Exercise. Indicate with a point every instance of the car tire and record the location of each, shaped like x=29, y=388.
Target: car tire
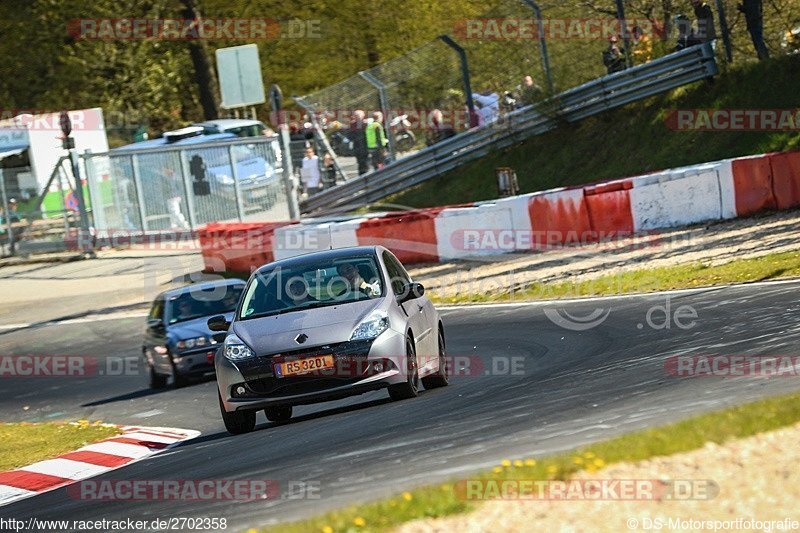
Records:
x=409, y=389
x=278, y=414
x=157, y=381
x=439, y=379
x=237, y=422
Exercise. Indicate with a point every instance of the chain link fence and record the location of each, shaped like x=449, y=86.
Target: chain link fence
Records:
x=559, y=45
x=161, y=189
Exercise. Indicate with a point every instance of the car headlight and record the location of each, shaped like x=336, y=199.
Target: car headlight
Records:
x=236, y=350
x=188, y=344
x=371, y=327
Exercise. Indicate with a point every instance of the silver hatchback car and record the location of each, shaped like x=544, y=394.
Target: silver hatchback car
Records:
x=324, y=326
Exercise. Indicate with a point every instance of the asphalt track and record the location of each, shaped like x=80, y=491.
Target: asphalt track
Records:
x=572, y=387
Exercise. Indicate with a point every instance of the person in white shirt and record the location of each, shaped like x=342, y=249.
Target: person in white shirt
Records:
x=309, y=173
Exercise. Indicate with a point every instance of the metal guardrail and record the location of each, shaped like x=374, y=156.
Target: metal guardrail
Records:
x=609, y=92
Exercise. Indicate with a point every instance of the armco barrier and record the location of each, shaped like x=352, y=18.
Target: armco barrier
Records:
x=786, y=179
x=678, y=197
x=752, y=177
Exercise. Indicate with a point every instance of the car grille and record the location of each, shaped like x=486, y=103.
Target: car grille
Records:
x=351, y=355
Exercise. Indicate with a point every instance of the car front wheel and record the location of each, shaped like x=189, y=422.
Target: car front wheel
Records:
x=439, y=379
x=409, y=389
x=237, y=422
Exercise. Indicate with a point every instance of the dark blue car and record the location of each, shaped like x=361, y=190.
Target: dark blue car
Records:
x=177, y=342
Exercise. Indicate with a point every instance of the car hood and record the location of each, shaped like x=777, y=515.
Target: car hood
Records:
x=197, y=327
x=325, y=325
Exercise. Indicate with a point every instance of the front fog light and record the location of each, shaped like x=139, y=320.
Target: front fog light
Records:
x=377, y=367
x=240, y=390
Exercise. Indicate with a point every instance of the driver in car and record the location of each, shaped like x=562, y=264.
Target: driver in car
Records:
x=297, y=291
x=355, y=282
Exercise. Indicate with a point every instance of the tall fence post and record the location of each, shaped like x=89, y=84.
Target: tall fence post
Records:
x=378, y=84
x=288, y=171
x=95, y=197
x=625, y=35
x=542, y=45
x=137, y=187
x=237, y=190
x=187, y=188
x=723, y=28
x=462, y=56
x=7, y=213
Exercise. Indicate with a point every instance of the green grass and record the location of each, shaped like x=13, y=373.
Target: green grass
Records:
x=686, y=276
x=629, y=141
x=24, y=443
x=441, y=500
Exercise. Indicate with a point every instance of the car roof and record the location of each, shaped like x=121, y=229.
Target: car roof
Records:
x=336, y=253
x=162, y=142
x=225, y=123
x=206, y=285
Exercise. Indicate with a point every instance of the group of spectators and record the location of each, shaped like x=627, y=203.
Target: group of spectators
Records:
x=690, y=33
x=369, y=140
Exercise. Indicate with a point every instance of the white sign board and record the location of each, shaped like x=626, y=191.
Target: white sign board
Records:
x=239, y=72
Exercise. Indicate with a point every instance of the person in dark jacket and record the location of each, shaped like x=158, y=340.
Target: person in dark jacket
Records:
x=754, y=17
x=359, y=138
x=614, y=56
x=705, y=21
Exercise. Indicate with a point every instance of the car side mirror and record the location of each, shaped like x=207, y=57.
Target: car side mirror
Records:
x=218, y=323
x=155, y=324
x=412, y=292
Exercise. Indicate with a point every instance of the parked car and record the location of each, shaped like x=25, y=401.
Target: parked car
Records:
x=324, y=326
x=177, y=342
x=237, y=126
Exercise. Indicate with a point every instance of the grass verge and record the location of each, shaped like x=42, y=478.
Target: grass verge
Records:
x=441, y=500
x=24, y=443
x=686, y=276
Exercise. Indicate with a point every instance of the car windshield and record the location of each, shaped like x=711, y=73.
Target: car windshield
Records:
x=310, y=285
x=199, y=303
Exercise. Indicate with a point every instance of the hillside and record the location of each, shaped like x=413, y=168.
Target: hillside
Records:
x=631, y=140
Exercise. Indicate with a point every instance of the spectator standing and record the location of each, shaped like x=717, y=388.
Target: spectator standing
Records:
x=376, y=140
x=642, y=45
x=310, y=174
x=488, y=104
x=329, y=171
x=704, y=21
x=614, y=56
x=358, y=136
x=439, y=130
x=754, y=17
x=529, y=92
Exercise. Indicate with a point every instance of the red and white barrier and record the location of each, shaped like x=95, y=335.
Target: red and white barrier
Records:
x=133, y=444
x=711, y=191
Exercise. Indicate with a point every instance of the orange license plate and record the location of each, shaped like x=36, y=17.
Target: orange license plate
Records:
x=304, y=366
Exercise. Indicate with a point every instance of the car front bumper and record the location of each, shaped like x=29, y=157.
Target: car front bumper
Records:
x=264, y=389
